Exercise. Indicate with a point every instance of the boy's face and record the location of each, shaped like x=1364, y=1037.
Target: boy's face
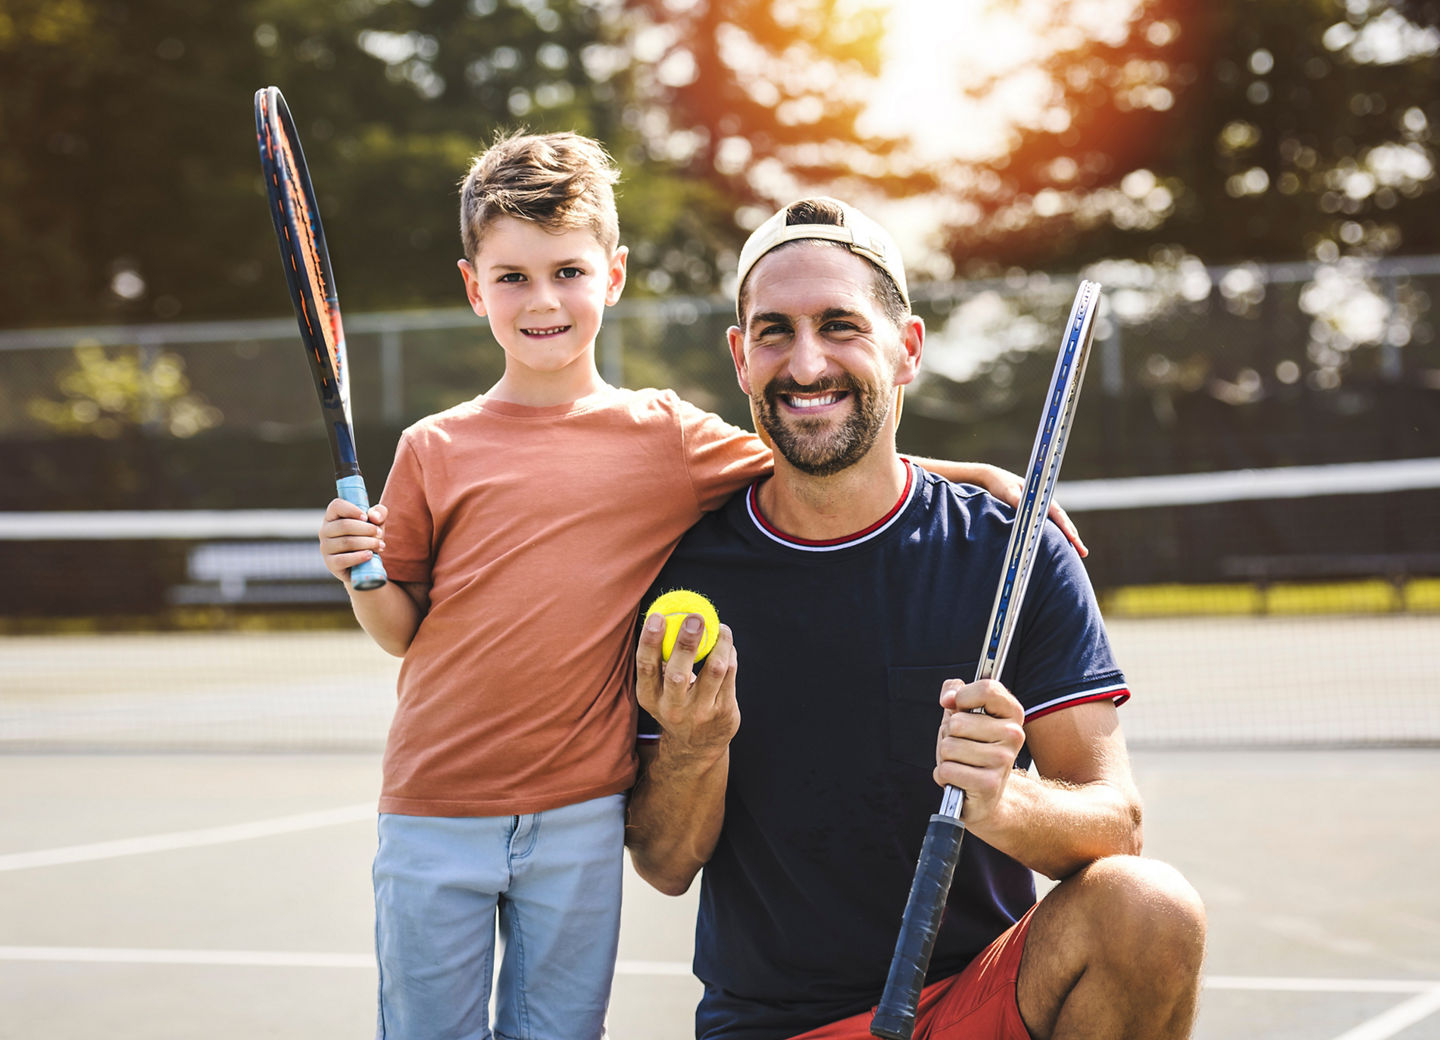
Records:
x=544, y=293
x=819, y=357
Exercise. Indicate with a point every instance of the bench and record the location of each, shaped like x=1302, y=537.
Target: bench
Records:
x=246, y=573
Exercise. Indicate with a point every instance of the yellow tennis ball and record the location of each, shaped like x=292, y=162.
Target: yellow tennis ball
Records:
x=679, y=604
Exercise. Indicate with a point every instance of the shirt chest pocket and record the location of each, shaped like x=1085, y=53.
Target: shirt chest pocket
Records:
x=913, y=710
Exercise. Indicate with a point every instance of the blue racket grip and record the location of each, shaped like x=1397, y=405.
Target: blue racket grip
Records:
x=895, y=1015
x=371, y=573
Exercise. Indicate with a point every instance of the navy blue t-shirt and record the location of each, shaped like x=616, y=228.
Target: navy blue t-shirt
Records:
x=842, y=650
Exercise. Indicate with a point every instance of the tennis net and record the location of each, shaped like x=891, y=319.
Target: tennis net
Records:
x=1277, y=607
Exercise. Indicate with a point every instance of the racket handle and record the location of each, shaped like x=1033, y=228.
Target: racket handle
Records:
x=895, y=1016
x=371, y=573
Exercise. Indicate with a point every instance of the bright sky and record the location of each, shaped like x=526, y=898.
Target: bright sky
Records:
x=933, y=49
x=937, y=48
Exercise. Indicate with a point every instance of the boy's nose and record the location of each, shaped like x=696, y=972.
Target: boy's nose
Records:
x=542, y=298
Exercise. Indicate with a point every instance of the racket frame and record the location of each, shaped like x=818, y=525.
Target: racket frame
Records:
x=305, y=258
x=895, y=1014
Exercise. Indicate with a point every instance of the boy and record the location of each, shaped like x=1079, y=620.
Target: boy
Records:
x=520, y=531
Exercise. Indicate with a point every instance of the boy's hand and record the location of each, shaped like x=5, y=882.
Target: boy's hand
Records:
x=349, y=535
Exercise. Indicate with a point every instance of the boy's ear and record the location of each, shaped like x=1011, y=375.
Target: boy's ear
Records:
x=615, y=275
x=472, y=287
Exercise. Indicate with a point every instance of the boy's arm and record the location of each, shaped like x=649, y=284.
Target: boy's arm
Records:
x=677, y=806
x=390, y=614
x=1004, y=485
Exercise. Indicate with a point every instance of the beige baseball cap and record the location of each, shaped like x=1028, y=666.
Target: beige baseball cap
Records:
x=859, y=233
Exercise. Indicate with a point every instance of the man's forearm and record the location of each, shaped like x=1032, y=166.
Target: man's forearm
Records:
x=673, y=821
x=1056, y=828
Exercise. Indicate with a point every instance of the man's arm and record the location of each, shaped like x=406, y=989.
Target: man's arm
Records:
x=1004, y=485
x=678, y=802
x=1082, y=805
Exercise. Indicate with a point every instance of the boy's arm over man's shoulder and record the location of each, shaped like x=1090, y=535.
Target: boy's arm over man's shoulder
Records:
x=721, y=458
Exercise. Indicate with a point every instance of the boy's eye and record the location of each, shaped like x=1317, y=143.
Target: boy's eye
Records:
x=511, y=276
x=569, y=272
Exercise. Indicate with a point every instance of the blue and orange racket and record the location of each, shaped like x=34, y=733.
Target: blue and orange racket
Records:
x=312, y=290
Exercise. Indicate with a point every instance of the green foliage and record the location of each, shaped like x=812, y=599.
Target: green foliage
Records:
x=125, y=130
x=106, y=395
x=1254, y=129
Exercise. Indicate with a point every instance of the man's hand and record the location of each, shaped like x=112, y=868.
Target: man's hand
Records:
x=698, y=715
x=976, y=749
x=678, y=803
x=349, y=536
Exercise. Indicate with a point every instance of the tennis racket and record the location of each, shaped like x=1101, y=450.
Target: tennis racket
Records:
x=312, y=290
x=895, y=1015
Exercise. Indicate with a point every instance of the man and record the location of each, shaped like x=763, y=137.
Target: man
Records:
x=859, y=589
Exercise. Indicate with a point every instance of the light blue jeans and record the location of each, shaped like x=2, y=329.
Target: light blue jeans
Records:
x=548, y=881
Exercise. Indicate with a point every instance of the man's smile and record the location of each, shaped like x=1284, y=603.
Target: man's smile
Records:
x=802, y=402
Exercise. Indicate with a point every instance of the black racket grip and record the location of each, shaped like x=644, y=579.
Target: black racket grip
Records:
x=895, y=1015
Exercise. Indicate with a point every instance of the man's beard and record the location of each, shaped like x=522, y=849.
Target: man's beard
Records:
x=801, y=441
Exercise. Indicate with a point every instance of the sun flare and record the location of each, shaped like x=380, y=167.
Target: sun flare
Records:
x=960, y=75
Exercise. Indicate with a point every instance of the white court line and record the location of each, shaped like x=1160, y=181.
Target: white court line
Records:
x=1382, y=1027
x=255, y=958
x=1398, y=1018
x=227, y=958
x=186, y=839
x=1427, y=989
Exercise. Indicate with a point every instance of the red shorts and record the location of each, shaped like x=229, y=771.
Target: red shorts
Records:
x=977, y=1004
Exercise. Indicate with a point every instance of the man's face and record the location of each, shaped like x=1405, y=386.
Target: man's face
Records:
x=819, y=358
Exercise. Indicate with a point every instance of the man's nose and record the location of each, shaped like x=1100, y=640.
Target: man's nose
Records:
x=808, y=359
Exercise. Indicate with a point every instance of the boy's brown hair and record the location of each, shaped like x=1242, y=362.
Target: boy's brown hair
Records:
x=560, y=181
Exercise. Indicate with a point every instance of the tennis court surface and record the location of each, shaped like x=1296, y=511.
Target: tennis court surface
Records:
x=190, y=825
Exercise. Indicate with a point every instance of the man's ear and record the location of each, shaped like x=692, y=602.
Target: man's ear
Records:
x=472, y=287
x=736, y=339
x=912, y=345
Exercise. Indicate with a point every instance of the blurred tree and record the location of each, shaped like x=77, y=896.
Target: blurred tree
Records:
x=107, y=395
x=1249, y=130
x=113, y=138
x=126, y=133
x=755, y=102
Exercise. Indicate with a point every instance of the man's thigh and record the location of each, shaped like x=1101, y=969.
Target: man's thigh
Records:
x=977, y=1004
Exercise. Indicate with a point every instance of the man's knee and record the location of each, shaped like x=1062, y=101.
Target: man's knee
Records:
x=1115, y=950
x=1142, y=909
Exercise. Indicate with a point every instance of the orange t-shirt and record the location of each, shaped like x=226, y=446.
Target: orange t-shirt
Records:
x=539, y=531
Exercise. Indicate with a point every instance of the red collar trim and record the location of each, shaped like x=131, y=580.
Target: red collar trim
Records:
x=753, y=505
